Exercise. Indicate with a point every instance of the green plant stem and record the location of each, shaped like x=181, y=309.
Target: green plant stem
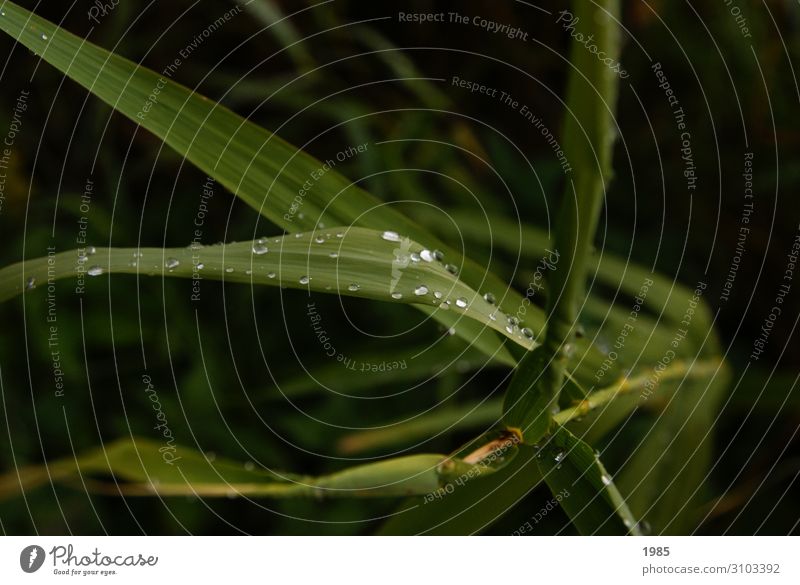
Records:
x=532, y=398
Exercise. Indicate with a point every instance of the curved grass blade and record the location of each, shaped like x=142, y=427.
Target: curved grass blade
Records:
x=288, y=186
x=141, y=469
x=594, y=416
x=349, y=261
x=571, y=468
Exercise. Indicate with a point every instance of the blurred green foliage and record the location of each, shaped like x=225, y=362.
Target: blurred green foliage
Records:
x=207, y=359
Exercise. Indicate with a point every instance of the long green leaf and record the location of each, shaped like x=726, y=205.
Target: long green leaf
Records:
x=348, y=261
x=291, y=188
x=143, y=467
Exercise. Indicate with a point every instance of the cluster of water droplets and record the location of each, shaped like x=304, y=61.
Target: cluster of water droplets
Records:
x=512, y=326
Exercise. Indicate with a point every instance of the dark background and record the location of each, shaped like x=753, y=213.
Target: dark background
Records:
x=733, y=90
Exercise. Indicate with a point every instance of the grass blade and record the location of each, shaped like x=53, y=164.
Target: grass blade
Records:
x=572, y=468
x=266, y=172
x=143, y=469
x=349, y=261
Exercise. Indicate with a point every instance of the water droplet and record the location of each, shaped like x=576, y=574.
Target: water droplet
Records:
x=560, y=456
x=513, y=321
x=298, y=235
x=509, y=329
x=172, y=263
x=461, y=302
x=354, y=287
x=339, y=234
x=248, y=272
x=438, y=294
x=304, y=280
x=229, y=269
x=334, y=254
x=426, y=255
x=90, y=250
x=527, y=332
x=319, y=240
x=397, y=295
x=493, y=316
x=390, y=236
x=451, y=268
x=30, y=283
x=94, y=271
x=260, y=248
x=451, y=331
x=414, y=257
x=421, y=290
x=44, y=37
x=200, y=266
x=270, y=275
x=438, y=255
x=605, y=479
x=489, y=298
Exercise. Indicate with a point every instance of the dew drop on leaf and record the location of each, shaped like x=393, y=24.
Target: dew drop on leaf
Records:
x=390, y=236
x=94, y=271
